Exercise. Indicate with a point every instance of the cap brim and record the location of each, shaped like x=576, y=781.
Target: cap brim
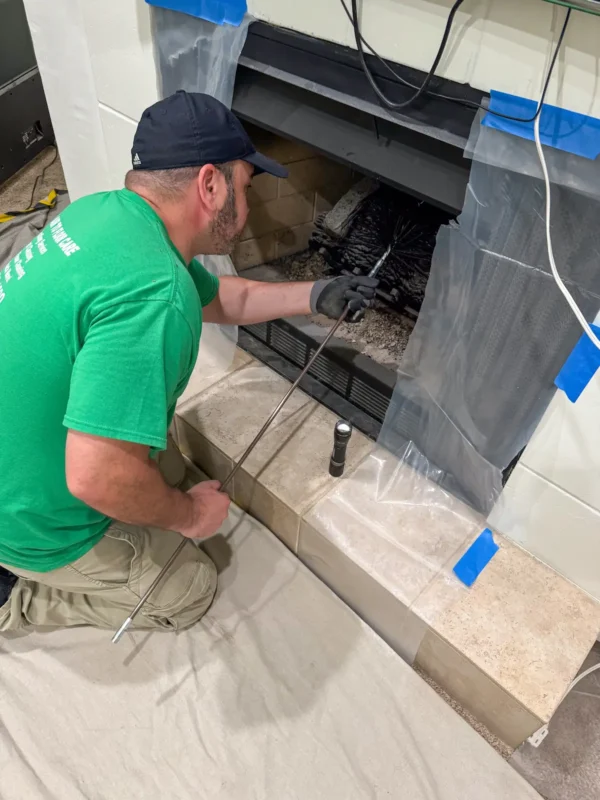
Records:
x=263, y=164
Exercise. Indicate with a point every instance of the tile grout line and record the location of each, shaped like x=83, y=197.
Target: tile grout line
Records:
x=560, y=489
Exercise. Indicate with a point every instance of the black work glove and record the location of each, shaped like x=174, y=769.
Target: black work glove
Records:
x=330, y=296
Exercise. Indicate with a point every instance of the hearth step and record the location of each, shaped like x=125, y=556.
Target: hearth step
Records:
x=385, y=539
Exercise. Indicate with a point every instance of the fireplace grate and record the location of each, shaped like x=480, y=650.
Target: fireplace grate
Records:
x=357, y=379
x=353, y=386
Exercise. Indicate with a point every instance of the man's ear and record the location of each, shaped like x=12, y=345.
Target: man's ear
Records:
x=208, y=186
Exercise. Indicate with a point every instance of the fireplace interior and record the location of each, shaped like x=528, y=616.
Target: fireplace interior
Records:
x=354, y=218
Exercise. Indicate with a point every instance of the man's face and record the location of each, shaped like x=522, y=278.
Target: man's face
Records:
x=230, y=219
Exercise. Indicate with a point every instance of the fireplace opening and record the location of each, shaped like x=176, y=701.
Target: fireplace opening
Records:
x=327, y=219
x=492, y=334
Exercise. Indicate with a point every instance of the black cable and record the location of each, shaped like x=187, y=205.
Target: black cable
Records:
x=428, y=78
x=384, y=63
x=546, y=82
x=424, y=88
x=40, y=177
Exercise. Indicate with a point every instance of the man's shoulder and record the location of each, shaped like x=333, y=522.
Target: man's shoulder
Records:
x=96, y=200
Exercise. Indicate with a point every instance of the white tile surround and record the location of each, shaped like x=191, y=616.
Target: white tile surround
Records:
x=551, y=504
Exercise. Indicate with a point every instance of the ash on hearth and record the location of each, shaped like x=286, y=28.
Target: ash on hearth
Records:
x=383, y=332
x=354, y=234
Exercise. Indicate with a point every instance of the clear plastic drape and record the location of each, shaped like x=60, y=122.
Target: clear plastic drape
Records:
x=494, y=330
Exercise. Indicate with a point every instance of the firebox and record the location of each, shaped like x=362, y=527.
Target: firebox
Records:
x=306, y=102
x=356, y=375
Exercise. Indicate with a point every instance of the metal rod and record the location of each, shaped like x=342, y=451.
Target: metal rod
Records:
x=358, y=315
x=256, y=440
x=379, y=264
x=237, y=466
x=284, y=400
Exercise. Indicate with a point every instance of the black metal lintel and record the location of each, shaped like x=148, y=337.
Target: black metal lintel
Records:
x=429, y=169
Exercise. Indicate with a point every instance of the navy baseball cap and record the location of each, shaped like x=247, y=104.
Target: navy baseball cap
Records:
x=189, y=129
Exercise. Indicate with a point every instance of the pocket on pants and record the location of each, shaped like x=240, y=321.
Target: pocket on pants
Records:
x=189, y=578
x=111, y=562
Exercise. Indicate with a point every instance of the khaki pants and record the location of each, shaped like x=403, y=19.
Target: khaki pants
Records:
x=104, y=585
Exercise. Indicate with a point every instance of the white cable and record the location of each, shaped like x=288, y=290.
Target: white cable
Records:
x=567, y=295
x=580, y=678
x=538, y=737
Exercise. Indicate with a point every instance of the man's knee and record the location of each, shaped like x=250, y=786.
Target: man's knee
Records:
x=187, y=592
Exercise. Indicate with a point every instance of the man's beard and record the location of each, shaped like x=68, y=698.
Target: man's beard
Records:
x=225, y=235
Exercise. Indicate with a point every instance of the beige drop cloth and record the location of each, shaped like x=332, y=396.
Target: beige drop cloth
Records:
x=281, y=693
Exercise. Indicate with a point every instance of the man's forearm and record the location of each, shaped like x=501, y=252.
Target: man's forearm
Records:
x=119, y=480
x=244, y=302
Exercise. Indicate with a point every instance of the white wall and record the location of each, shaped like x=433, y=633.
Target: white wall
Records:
x=63, y=57
x=97, y=65
x=551, y=504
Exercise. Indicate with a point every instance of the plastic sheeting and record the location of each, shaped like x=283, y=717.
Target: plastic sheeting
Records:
x=218, y=342
x=478, y=373
x=494, y=330
x=400, y=531
x=199, y=56
x=219, y=11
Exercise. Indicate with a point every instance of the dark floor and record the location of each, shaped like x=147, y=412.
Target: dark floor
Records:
x=566, y=766
x=15, y=193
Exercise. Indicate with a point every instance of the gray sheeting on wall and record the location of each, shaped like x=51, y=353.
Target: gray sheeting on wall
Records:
x=494, y=330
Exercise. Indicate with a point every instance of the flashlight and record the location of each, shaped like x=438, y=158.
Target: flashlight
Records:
x=341, y=436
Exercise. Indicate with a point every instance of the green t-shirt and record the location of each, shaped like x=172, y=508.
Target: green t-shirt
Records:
x=100, y=321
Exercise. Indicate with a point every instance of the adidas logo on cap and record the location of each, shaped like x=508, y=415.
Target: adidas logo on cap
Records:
x=136, y=161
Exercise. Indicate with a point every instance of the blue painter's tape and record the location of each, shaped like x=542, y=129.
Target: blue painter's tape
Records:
x=559, y=128
x=221, y=12
x=477, y=557
x=580, y=367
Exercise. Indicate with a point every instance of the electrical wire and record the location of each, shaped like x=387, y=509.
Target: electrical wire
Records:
x=536, y=116
x=384, y=63
x=538, y=737
x=421, y=90
x=583, y=675
x=567, y=295
x=424, y=88
x=40, y=177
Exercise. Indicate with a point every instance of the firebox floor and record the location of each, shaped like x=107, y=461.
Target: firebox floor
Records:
x=382, y=334
x=280, y=692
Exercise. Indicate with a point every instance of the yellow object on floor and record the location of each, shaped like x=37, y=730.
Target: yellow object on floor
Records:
x=47, y=202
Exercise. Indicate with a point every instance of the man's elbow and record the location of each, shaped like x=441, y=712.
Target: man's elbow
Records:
x=85, y=486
